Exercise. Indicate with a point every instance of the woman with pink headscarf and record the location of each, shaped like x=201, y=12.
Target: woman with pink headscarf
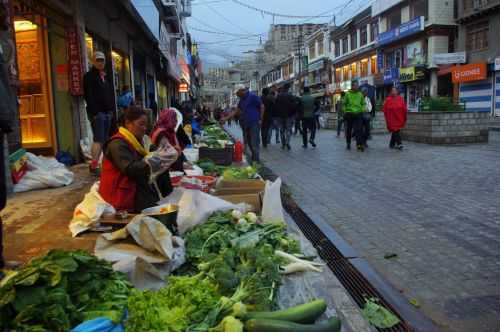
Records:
x=164, y=132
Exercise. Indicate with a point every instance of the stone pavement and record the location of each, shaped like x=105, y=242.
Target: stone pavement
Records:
x=436, y=207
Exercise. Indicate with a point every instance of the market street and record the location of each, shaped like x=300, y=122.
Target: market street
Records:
x=435, y=207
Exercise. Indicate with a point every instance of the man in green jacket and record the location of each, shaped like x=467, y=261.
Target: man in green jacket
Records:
x=308, y=106
x=353, y=106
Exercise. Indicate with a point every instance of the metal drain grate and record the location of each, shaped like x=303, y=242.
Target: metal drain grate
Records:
x=354, y=282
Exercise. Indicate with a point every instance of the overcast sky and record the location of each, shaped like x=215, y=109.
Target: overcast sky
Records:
x=229, y=16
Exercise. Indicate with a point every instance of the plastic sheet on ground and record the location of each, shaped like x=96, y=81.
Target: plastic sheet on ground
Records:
x=89, y=211
x=145, y=250
x=44, y=173
x=195, y=207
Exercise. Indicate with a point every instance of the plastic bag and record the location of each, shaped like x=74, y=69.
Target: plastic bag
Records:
x=192, y=155
x=195, y=207
x=89, y=211
x=44, y=173
x=322, y=122
x=99, y=325
x=272, y=208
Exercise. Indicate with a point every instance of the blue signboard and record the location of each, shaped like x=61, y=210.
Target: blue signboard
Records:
x=404, y=30
x=391, y=76
x=380, y=60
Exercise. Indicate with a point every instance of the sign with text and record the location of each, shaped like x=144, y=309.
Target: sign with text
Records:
x=404, y=30
x=415, y=54
x=391, y=75
x=410, y=74
x=75, y=63
x=468, y=73
x=449, y=58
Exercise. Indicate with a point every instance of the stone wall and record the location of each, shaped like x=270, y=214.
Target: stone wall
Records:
x=447, y=127
x=378, y=123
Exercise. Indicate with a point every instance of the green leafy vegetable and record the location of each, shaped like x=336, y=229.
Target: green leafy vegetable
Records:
x=58, y=291
x=377, y=315
x=241, y=173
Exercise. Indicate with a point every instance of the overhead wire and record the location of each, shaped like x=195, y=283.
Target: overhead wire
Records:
x=226, y=19
x=274, y=14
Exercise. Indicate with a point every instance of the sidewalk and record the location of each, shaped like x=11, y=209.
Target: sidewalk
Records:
x=434, y=207
x=37, y=221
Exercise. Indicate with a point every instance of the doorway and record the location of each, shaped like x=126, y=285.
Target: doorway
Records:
x=37, y=129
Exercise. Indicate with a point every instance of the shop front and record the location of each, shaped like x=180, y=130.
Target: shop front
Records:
x=475, y=86
x=50, y=73
x=121, y=70
x=414, y=86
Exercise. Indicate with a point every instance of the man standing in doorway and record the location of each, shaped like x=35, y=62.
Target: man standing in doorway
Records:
x=99, y=97
x=251, y=111
x=353, y=107
x=286, y=111
x=308, y=106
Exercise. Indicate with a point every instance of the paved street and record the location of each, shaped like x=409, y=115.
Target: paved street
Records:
x=437, y=208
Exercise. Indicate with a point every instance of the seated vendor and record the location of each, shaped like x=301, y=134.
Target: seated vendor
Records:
x=127, y=166
x=166, y=132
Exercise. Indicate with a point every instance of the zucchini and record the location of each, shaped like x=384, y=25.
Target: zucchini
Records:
x=269, y=325
x=305, y=313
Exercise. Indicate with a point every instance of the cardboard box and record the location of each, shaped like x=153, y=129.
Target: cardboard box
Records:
x=254, y=200
x=256, y=184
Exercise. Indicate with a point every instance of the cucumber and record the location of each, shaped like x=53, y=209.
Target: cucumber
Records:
x=305, y=313
x=270, y=325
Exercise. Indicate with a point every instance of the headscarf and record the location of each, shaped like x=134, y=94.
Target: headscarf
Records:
x=166, y=125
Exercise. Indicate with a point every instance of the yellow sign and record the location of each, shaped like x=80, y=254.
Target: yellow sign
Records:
x=407, y=74
x=183, y=87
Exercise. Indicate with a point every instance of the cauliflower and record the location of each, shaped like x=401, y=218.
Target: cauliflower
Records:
x=252, y=217
x=236, y=214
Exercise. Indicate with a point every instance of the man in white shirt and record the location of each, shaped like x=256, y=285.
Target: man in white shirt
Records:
x=366, y=118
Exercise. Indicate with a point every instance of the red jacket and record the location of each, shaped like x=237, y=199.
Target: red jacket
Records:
x=395, y=113
x=116, y=188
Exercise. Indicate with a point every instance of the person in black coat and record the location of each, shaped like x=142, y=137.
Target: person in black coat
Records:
x=100, y=99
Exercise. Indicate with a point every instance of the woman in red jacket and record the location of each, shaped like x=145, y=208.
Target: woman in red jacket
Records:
x=395, y=116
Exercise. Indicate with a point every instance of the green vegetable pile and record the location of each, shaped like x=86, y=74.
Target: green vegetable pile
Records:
x=58, y=291
x=241, y=173
x=213, y=135
x=377, y=315
x=209, y=167
x=229, y=263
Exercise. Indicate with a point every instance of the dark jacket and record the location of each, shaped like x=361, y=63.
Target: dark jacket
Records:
x=286, y=105
x=133, y=165
x=308, y=106
x=99, y=95
x=269, y=111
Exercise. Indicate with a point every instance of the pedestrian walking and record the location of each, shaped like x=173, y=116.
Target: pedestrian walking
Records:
x=366, y=118
x=286, y=111
x=308, y=106
x=354, y=106
x=251, y=111
x=340, y=113
x=99, y=96
x=395, y=112
x=267, y=119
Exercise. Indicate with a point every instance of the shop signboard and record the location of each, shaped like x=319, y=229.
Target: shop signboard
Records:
x=404, y=30
x=75, y=62
x=391, y=75
x=449, y=58
x=380, y=60
x=497, y=64
x=409, y=74
x=414, y=54
x=468, y=73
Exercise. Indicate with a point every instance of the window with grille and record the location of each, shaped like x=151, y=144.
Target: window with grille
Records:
x=419, y=8
x=373, y=64
x=373, y=31
x=363, y=40
x=364, y=68
x=338, y=75
x=337, y=48
x=345, y=73
x=320, y=47
x=354, y=40
x=354, y=69
x=394, y=19
x=477, y=36
x=345, y=45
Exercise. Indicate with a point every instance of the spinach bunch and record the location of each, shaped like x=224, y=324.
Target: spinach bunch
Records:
x=58, y=291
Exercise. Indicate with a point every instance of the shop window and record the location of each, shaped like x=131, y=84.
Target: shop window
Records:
x=477, y=36
x=419, y=8
x=373, y=64
x=363, y=36
x=354, y=69
x=345, y=45
x=389, y=60
x=354, y=40
x=373, y=31
x=337, y=48
x=398, y=58
x=338, y=75
x=394, y=19
x=364, y=68
x=345, y=73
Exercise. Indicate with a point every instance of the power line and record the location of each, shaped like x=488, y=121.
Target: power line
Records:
x=226, y=19
x=274, y=14
x=225, y=33
x=207, y=2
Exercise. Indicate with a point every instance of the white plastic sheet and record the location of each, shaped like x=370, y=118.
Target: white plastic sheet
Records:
x=89, y=211
x=272, y=209
x=195, y=207
x=44, y=173
x=145, y=250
